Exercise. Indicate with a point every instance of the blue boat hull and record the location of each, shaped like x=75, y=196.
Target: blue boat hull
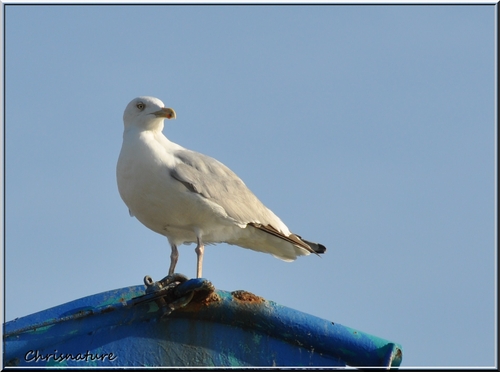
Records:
x=123, y=327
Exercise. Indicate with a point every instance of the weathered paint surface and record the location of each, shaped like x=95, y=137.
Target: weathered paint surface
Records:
x=216, y=328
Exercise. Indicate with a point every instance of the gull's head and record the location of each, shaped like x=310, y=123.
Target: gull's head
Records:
x=147, y=113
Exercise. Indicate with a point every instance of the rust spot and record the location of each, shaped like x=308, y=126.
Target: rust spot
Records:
x=198, y=303
x=212, y=297
x=246, y=297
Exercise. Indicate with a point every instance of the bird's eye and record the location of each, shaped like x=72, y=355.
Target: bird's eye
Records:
x=140, y=106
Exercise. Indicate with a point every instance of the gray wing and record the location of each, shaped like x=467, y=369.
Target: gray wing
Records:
x=210, y=178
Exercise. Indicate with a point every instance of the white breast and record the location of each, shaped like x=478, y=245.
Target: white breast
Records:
x=159, y=201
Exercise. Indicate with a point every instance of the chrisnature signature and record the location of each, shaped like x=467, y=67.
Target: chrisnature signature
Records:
x=35, y=356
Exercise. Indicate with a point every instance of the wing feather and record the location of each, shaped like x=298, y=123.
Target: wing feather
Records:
x=292, y=238
x=213, y=180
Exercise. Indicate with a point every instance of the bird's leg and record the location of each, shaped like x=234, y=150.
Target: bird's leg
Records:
x=200, y=248
x=174, y=256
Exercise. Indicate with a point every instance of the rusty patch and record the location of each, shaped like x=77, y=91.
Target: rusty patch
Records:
x=212, y=297
x=198, y=304
x=246, y=297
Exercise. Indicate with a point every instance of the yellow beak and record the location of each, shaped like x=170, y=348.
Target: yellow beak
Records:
x=165, y=112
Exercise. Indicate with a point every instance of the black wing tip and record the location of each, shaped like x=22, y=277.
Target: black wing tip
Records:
x=316, y=247
x=320, y=248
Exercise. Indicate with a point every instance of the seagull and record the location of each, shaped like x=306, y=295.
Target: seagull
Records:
x=189, y=197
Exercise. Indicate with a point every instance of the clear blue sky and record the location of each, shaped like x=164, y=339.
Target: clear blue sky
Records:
x=370, y=129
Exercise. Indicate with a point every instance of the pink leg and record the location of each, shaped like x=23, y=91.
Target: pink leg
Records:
x=174, y=256
x=200, y=248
